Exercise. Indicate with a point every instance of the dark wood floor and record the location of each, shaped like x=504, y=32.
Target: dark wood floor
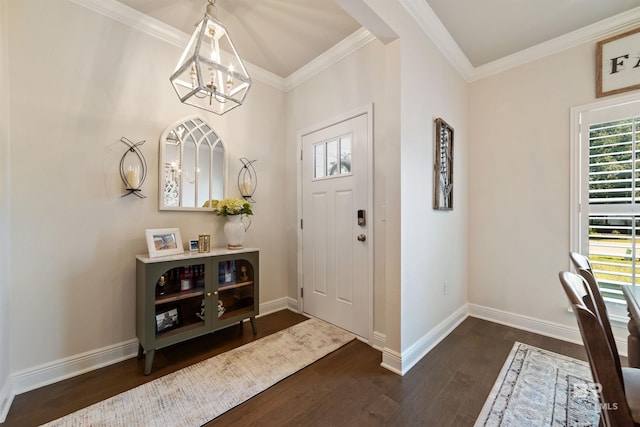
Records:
x=348, y=387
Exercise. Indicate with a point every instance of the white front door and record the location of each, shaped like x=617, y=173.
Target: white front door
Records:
x=336, y=222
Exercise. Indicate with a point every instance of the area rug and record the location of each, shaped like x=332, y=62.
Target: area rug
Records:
x=540, y=388
x=201, y=392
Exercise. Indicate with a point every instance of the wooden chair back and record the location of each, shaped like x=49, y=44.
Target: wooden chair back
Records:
x=599, y=307
x=614, y=408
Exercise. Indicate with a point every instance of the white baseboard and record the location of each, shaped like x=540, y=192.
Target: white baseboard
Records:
x=392, y=360
x=292, y=304
x=379, y=341
x=538, y=326
x=6, y=399
x=49, y=373
x=401, y=363
x=273, y=306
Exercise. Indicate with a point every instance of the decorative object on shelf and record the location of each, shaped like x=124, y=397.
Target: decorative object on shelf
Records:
x=200, y=314
x=163, y=242
x=443, y=166
x=168, y=318
x=160, y=286
x=220, y=309
x=194, y=245
x=247, y=179
x=234, y=209
x=204, y=243
x=210, y=74
x=226, y=272
x=133, y=172
x=617, y=64
x=243, y=274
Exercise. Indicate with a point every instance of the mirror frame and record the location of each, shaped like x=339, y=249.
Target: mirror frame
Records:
x=161, y=161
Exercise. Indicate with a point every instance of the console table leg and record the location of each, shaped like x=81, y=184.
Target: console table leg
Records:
x=148, y=361
x=252, y=319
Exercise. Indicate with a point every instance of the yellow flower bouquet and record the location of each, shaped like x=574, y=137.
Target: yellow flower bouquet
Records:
x=229, y=206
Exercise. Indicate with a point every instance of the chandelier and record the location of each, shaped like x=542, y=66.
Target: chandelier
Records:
x=210, y=74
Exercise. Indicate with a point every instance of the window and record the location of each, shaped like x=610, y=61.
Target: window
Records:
x=608, y=196
x=333, y=157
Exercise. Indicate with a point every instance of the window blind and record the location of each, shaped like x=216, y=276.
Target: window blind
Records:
x=614, y=203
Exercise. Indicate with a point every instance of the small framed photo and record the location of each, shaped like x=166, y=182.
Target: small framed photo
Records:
x=163, y=242
x=168, y=318
x=193, y=245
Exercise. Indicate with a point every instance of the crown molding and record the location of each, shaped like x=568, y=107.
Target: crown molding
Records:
x=155, y=28
x=431, y=25
x=342, y=49
x=597, y=31
x=419, y=10
x=136, y=19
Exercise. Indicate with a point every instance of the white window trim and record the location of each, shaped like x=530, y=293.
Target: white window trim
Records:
x=617, y=311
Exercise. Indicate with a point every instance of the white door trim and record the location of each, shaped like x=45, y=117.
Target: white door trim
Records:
x=364, y=110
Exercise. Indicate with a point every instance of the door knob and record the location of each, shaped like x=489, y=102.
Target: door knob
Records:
x=362, y=237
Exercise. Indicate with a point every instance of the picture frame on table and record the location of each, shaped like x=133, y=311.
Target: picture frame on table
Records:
x=164, y=242
x=168, y=318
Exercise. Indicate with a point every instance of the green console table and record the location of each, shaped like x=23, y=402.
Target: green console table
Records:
x=183, y=296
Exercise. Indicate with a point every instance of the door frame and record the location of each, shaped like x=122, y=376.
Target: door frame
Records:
x=363, y=110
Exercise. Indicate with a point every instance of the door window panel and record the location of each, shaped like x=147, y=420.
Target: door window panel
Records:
x=332, y=158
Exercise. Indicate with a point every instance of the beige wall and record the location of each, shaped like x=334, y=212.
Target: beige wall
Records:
x=75, y=238
x=433, y=242
x=80, y=81
x=431, y=245
x=519, y=191
x=5, y=214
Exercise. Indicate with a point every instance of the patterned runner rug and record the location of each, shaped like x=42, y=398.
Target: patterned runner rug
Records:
x=540, y=388
x=199, y=393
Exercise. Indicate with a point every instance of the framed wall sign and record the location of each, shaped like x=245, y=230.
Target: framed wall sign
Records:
x=618, y=63
x=443, y=166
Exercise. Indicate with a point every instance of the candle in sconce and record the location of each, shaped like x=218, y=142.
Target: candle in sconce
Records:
x=245, y=188
x=132, y=174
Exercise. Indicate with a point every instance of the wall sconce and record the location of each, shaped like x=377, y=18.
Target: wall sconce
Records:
x=133, y=170
x=247, y=179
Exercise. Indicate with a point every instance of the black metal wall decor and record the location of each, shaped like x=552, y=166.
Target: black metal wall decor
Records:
x=443, y=166
x=133, y=171
x=247, y=179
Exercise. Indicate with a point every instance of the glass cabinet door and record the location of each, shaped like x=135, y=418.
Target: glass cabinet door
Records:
x=179, y=300
x=235, y=288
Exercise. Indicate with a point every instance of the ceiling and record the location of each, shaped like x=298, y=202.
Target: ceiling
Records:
x=281, y=36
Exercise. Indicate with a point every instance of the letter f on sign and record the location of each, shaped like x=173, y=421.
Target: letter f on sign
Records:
x=617, y=63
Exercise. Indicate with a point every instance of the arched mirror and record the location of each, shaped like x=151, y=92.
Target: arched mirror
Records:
x=192, y=165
